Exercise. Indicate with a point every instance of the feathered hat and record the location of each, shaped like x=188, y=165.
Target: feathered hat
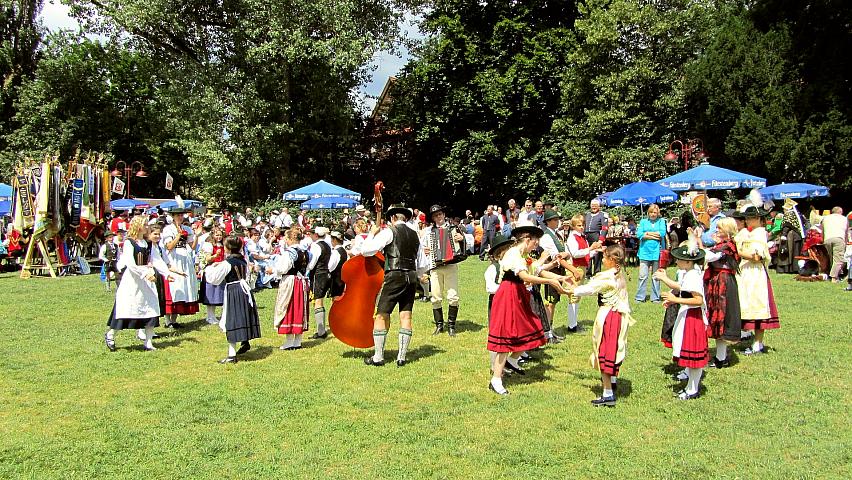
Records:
x=755, y=206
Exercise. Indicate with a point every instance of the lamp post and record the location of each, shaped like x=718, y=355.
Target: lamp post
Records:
x=134, y=170
x=691, y=151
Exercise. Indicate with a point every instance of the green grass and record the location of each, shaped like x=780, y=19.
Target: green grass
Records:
x=71, y=409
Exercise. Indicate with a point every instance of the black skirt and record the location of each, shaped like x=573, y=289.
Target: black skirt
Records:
x=131, y=323
x=242, y=323
x=537, y=306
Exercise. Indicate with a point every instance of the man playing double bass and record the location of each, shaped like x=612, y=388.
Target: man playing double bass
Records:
x=400, y=245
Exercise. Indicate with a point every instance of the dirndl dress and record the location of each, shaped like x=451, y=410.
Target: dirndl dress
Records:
x=757, y=300
x=608, y=349
x=209, y=294
x=514, y=326
x=689, y=334
x=722, y=295
x=239, y=320
x=136, y=300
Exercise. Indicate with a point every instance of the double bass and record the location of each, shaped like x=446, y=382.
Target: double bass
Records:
x=351, y=314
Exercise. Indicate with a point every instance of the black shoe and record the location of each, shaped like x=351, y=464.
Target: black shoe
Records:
x=228, y=360
x=425, y=299
x=439, y=329
x=682, y=395
x=110, y=343
x=317, y=336
x=721, y=363
x=519, y=371
x=557, y=337
x=174, y=325
x=614, y=384
x=400, y=363
x=848, y=289
x=244, y=347
x=522, y=361
x=373, y=363
x=502, y=394
x=604, y=401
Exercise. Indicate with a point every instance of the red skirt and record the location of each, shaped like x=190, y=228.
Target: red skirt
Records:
x=769, y=323
x=693, y=348
x=514, y=327
x=179, y=308
x=609, y=344
x=296, y=319
x=723, y=305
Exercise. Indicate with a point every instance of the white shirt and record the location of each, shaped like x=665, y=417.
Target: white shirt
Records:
x=549, y=246
x=574, y=246
x=491, y=284
x=286, y=220
x=316, y=251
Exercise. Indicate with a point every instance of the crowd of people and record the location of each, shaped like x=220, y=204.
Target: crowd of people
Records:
x=168, y=264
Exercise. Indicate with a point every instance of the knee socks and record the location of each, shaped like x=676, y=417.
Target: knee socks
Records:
x=379, y=337
x=721, y=350
x=319, y=317
x=232, y=349
x=211, y=314
x=149, y=335
x=297, y=340
x=288, y=341
x=692, y=384
x=573, y=311
x=404, y=340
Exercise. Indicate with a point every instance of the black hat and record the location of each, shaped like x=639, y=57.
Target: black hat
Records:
x=682, y=253
x=752, y=211
x=500, y=243
x=399, y=209
x=435, y=209
x=736, y=214
x=550, y=214
x=527, y=227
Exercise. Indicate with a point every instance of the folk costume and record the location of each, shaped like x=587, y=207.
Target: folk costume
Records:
x=722, y=299
x=292, y=305
x=239, y=320
x=757, y=301
x=596, y=225
x=400, y=245
x=581, y=258
x=337, y=284
x=322, y=262
x=212, y=295
x=791, y=240
x=444, y=278
x=182, y=293
x=136, y=302
x=553, y=246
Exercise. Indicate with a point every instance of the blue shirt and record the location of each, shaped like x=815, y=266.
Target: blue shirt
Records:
x=707, y=237
x=649, y=249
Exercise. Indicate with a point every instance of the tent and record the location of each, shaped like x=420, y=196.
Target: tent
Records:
x=793, y=190
x=641, y=193
x=321, y=189
x=127, y=204
x=5, y=207
x=709, y=177
x=5, y=191
x=328, y=202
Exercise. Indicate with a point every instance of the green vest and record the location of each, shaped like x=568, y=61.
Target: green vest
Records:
x=559, y=245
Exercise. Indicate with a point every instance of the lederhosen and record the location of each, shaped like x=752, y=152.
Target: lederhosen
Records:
x=400, y=284
x=551, y=296
x=320, y=276
x=337, y=285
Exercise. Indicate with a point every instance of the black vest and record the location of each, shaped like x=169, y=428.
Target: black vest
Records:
x=300, y=265
x=401, y=253
x=238, y=268
x=321, y=266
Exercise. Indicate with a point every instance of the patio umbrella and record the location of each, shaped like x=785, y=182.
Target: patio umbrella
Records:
x=329, y=202
x=641, y=193
x=5, y=191
x=5, y=207
x=709, y=177
x=127, y=204
x=321, y=189
x=604, y=198
x=793, y=190
x=170, y=204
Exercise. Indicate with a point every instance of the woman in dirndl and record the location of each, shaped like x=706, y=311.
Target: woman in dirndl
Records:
x=757, y=301
x=136, y=301
x=292, y=305
x=722, y=295
x=210, y=295
x=514, y=328
x=689, y=335
x=239, y=320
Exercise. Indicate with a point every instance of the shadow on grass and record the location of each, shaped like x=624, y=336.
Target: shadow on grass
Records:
x=414, y=355
x=184, y=329
x=534, y=372
x=468, y=326
x=623, y=389
x=257, y=353
x=166, y=342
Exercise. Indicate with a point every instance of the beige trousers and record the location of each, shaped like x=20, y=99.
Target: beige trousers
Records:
x=443, y=279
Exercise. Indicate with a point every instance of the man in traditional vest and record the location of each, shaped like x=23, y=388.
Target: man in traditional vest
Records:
x=319, y=272
x=555, y=248
x=444, y=278
x=596, y=223
x=400, y=245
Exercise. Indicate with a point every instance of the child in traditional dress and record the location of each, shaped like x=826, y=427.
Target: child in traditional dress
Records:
x=493, y=274
x=609, y=335
x=722, y=295
x=239, y=310
x=581, y=252
x=292, y=305
x=210, y=295
x=689, y=335
x=757, y=301
x=514, y=328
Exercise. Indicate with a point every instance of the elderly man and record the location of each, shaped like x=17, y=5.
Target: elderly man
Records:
x=834, y=229
x=596, y=224
x=512, y=209
x=714, y=209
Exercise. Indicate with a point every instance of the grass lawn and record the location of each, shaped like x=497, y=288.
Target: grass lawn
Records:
x=71, y=409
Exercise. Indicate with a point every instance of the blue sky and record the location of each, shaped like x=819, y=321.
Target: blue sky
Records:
x=56, y=16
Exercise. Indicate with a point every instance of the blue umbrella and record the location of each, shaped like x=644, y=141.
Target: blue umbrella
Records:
x=5, y=207
x=708, y=177
x=5, y=191
x=170, y=204
x=793, y=190
x=641, y=193
x=127, y=204
x=329, y=202
x=321, y=189
x=604, y=198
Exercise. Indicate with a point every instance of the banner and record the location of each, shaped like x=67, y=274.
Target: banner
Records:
x=169, y=181
x=76, y=201
x=24, y=196
x=117, y=186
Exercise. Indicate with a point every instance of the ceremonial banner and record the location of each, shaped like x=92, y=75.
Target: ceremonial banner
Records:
x=76, y=201
x=169, y=181
x=117, y=186
x=25, y=198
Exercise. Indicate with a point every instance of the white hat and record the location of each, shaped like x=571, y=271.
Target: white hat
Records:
x=321, y=231
x=360, y=208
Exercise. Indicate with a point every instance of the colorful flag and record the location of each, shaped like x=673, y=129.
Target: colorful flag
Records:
x=169, y=181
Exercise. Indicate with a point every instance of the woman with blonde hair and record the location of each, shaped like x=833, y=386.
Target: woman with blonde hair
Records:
x=722, y=295
x=651, y=233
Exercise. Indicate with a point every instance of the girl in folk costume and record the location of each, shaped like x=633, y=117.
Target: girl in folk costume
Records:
x=136, y=301
x=722, y=294
x=514, y=328
x=361, y=229
x=580, y=251
x=239, y=310
x=689, y=335
x=292, y=305
x=163, y=272
x=609, y=334
x=181, y=294
x=212, y=296
x=757, y=301
x=493, y=274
